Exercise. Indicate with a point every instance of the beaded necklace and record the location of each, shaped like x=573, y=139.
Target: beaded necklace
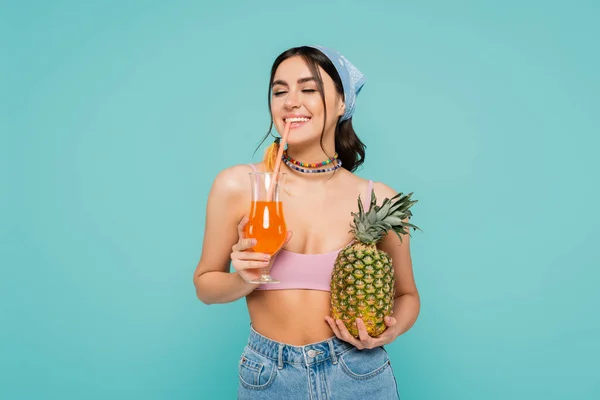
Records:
x=312, y=171
x=309, y=165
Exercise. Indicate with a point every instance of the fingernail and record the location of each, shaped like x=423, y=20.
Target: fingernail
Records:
x=267, y=257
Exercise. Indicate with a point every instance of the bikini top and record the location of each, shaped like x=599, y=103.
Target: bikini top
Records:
x=305, y=271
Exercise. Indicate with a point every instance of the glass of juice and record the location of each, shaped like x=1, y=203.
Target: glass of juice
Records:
x=266, y=222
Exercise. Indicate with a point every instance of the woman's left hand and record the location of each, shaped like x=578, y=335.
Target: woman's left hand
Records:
x=364, y=341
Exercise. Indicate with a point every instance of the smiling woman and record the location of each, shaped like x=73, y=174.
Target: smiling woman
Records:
x=295, y=348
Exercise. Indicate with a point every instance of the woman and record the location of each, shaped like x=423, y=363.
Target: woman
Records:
x=296, y=350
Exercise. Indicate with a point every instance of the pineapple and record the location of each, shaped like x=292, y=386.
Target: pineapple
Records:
x=362, y=281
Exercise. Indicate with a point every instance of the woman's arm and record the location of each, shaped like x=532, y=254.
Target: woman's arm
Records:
x=407, y=303
x=228, y=201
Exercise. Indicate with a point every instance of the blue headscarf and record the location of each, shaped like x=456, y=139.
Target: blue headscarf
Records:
x=352, y=79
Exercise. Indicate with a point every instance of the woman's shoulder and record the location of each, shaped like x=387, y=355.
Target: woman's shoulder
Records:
x=236, y=171
x=233, y=180
x=371, y=183
x=381, y=189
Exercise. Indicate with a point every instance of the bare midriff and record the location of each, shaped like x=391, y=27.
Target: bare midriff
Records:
x=295, y=317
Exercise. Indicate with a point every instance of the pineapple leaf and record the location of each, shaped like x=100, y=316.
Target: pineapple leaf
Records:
x=373, y=199
x=361, y=210
x=372, y=217
x=394, y=220
x=384, y=210
x=413, y=226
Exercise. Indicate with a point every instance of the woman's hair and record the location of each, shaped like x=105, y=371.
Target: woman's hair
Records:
x=351, y=151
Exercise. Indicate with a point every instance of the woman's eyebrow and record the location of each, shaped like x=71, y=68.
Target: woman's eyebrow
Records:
x=301, y=80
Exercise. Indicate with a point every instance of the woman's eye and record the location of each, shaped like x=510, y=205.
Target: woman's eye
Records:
x=281, y=93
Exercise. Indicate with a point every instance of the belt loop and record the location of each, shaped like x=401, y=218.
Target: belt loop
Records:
x=332, y=352
x=280, y=357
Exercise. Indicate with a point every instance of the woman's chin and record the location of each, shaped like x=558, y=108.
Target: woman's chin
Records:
x=300, y=136
x=302, y=141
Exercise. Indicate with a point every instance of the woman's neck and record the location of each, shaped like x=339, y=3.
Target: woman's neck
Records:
x=294, y=176
x=311, y=154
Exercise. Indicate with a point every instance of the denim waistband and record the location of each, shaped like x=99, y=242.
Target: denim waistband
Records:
x=304, y=355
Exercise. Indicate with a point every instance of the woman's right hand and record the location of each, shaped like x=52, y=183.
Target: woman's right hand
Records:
x=247, y=263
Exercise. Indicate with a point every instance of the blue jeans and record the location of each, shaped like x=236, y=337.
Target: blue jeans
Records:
x=328, y=370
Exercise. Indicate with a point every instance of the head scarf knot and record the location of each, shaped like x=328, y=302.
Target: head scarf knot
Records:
x=352, y=79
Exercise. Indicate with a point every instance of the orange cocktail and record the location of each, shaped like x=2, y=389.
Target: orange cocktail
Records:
x=267, y=225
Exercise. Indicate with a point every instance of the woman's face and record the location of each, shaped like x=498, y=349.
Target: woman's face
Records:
x=295, y=97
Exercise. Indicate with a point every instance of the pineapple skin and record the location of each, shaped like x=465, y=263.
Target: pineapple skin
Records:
x=362, y=286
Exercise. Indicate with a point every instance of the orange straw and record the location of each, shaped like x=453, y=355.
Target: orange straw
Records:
x=282, y=144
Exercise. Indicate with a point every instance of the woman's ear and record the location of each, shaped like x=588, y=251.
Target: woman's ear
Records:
x=342, y=108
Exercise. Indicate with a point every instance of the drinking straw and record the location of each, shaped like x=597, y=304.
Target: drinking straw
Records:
x=282, y=144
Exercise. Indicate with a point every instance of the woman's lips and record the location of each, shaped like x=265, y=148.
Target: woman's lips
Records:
x=297, y=122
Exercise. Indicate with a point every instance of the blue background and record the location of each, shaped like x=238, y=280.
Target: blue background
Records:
x=116, y=116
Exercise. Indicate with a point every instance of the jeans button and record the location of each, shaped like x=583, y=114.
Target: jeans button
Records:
x=311, y=353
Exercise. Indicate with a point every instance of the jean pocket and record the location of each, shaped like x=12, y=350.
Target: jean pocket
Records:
x=364, y=364
x=255, y=371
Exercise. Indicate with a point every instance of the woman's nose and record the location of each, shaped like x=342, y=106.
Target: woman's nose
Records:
x=292, y=99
